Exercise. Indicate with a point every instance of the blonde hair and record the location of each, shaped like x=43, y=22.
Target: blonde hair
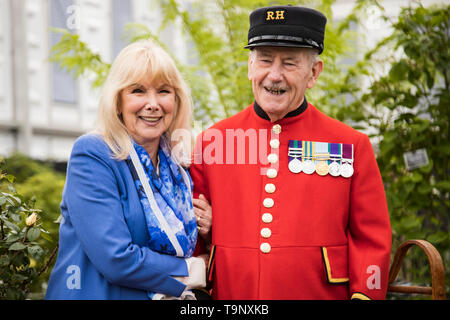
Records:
x=138, y=61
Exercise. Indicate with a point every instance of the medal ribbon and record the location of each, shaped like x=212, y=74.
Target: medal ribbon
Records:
x=321, y=151
x=295, y=150
x=347, y=152
x=335, y=152
x=308, y=150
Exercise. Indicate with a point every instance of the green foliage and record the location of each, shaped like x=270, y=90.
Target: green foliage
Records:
x=21, y=167
x=408, y=107
x=75, y=57
x=21, y=247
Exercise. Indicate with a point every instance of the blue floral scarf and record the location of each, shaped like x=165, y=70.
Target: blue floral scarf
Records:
x=173, y=197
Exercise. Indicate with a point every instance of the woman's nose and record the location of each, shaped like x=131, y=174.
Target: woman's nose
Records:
x=151, y=102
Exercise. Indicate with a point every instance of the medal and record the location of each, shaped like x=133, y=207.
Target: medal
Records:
x=295, y=152
x=335, y=158
x=321, y=156
x=308, y=165
x=322, y=168
x=346, y=169
x=335, y=169
x=295, y=166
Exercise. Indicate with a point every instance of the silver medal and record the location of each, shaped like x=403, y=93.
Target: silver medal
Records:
x=346, y=170
x=295, y=166
x=334, y=169
x=309, y=167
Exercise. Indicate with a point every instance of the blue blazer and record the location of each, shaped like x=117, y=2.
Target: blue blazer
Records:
x=102, y=238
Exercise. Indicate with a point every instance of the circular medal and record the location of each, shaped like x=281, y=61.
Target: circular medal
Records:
x=322, y=168
x=309, y=167
x=346, y=170
x=295, y=166
x=334, y=169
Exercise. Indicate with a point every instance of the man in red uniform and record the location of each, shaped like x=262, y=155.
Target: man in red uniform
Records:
x=299, y=210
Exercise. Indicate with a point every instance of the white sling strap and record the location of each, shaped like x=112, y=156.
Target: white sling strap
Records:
x=151, y=199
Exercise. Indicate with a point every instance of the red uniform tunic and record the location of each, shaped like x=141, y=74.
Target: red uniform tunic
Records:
x=317, y=237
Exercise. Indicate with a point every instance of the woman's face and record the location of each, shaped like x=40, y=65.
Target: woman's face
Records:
x=147, y=111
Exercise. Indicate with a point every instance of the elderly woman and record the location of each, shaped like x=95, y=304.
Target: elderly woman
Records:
x=129, y=229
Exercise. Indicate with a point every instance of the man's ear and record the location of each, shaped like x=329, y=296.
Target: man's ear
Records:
x=251, y=60
x=316, y=71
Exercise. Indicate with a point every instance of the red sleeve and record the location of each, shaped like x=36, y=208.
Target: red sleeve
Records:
x=369, y=231
x=197, y=170
x=200, y=185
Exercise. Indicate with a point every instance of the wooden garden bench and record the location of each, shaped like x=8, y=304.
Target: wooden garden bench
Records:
x=437, y=289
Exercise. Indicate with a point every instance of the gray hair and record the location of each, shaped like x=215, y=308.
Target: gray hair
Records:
x=311, y=53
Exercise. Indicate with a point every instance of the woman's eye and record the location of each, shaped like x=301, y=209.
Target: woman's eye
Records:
x=137, y=90
x=165, y=91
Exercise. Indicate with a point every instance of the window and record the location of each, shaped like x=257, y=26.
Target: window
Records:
x=121, y=15
x=64, y=86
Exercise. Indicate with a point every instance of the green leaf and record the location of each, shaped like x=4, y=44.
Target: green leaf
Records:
x=17, y=246
x=47, y=237
x=424, y=188
x=445, y=185
x=12, y=238
x=15, y=217
x=10, y=225
x=399, y=71
x=19, y=277
x=36, y=252
x=438, y=237
x=14, y=294
x=416, y=177
x=33, y=234
x=4, y=261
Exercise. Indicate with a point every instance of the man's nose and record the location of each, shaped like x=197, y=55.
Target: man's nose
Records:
x=275, y=73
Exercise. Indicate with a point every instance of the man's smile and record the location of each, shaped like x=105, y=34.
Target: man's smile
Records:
x=274, y=91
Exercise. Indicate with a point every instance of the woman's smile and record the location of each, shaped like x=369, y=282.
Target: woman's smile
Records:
x=151, y=120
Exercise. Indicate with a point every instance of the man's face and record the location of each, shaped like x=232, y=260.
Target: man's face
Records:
x=280, y=77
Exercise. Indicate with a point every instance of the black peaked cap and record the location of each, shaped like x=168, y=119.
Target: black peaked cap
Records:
x=287, y=26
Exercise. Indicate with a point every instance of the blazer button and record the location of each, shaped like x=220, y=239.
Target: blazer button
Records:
x=272, y=158
x=276, y=129
x=274, y=143
x=268, y=202
x=267, y=218
x=271, y=173
x=270, y=188
x=265, y=247
x=266, y=233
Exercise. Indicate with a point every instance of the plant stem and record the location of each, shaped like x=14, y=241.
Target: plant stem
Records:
x=25, y=235
x=44, y=269
x=3, y=231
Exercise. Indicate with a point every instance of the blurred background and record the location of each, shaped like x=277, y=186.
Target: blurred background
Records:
x=386, y=74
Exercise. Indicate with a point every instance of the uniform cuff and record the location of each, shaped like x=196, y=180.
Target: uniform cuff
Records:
x=359, y=296
x=197, y=273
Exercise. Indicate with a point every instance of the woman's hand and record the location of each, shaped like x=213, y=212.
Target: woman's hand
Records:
x=203, y=212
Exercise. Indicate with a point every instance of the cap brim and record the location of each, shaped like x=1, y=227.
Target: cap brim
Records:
x=279, y=44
